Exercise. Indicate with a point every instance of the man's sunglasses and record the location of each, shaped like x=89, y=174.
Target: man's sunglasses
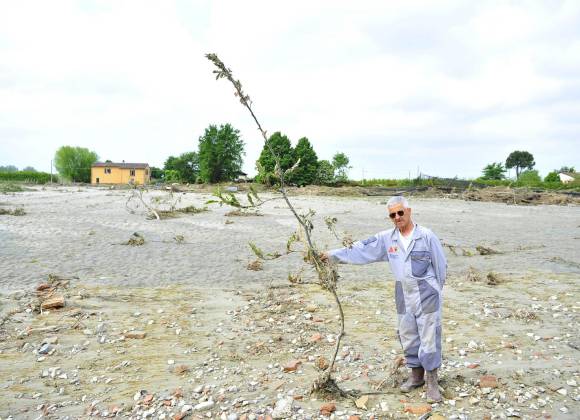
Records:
x=401, y=213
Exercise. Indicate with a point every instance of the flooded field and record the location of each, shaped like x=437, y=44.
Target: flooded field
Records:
x=177, y=325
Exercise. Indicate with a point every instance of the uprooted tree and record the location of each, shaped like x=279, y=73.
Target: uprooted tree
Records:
x=326, y=272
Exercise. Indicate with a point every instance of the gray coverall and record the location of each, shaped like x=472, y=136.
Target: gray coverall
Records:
x=420, y=273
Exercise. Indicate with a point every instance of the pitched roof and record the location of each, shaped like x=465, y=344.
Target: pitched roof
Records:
x=120, y=165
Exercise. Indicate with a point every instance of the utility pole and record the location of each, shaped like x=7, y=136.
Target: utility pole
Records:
x=51, y=171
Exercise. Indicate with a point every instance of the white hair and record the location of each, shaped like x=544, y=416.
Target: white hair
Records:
x=398, y=199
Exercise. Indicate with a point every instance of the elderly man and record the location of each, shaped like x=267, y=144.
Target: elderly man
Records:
x=418, y=263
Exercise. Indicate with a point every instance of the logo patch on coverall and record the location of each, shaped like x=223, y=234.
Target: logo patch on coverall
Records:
x=393, y=249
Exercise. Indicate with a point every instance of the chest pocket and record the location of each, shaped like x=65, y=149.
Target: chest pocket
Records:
x=420, y=261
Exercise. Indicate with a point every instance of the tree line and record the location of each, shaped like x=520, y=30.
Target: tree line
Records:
x=219, y=158
x=523, y=162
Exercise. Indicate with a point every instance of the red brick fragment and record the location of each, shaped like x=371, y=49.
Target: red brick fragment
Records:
x=488, y=381
x=292, y=366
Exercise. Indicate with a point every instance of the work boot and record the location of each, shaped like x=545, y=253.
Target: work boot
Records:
x=433, y=394
x=415, y=380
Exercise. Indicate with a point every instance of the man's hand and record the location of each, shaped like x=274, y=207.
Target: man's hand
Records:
x=323, y=257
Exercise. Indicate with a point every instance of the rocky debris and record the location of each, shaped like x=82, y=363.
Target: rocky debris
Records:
x=136, y=334
x=283, y=408
x=321, y=363
x=292, y=366
x=488, y=381
x=54, y=302
x=327, y=409
x=418, y=409
x=232, y=366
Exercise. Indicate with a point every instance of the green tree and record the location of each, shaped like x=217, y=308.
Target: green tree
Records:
x=220, y=154
x=552, y=177
x=8, y=168
x=171, y=175
x=529, y=178
x=325, y=174
x=568, y=169
x=186, y=165
x=156, y=173
x=266, y=163
x=305, y=173
x=494, y=170
x=340, y=164
x=520, y=160
x=74, y=163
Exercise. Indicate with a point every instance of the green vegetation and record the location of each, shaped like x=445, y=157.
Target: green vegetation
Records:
x=184, y=168
x=266, y=164
x=325, y=174
x=520, y=160
x=340, y=164
x=74, y=163
x=220, y=154
x=26, y=176
x=552, y=177
x=494, y=170
x=307, y=170
x=530, y=178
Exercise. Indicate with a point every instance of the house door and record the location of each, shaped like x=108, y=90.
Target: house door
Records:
x=97, y=180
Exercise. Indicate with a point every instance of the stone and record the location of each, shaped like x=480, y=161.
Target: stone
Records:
x=45, y=349
x=418, y=409
x=327, y=409
x=283, y=408
x=321, y=363
x=53, y=303
x=292, y=366
x=362, y=402
x=136, y=334
x=51, y=340
x=488, y=381
x=204, y=405
x=314, y=338
x=148, y=398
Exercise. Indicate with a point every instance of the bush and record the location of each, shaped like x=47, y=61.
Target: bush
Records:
x=529, y=178
x=171, y=175
x=552, y=177
x=26, y=176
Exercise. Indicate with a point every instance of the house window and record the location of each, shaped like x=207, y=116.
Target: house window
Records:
x=107, y=170
x=132, y=172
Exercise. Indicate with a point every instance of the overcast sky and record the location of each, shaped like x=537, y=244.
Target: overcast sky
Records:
x=445, y=87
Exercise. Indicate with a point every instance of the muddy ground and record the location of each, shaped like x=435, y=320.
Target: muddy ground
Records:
x=179, y=325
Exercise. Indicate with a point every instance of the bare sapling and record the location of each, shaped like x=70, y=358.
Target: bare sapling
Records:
x=159, y=207
x=326, y=272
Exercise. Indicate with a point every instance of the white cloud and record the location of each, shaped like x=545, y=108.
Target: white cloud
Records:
x=448, y=86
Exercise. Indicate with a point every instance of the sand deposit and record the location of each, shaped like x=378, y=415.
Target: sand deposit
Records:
x=163, y=317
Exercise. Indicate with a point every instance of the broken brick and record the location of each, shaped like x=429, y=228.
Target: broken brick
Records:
x=418, y=409
x=488, y=381
x=292, y=366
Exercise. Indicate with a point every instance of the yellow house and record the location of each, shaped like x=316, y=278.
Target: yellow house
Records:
x=120, y=173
